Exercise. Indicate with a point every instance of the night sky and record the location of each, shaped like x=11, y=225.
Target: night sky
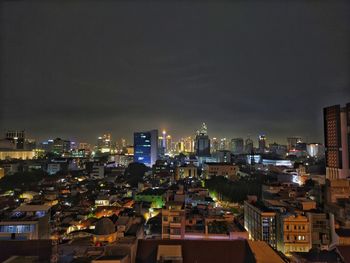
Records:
x=77, y=70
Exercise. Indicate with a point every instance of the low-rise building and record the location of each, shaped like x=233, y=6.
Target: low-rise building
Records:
x=294, y=234
x=17, y=154
x=27, y=222
x=185, y=171
x=321, y=229
x=260, y=222
x=220, y=169
x=173, y=220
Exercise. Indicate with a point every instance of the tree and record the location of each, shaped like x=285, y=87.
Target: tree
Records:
x=134, y=173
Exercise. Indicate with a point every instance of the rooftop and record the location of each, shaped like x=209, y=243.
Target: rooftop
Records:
x=263, y=253
x=32, y=208
x=198, y=250
x=152, y=191
x=221, y=164
x=260, y=205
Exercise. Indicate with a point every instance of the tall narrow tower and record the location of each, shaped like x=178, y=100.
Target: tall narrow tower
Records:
x=337, y=137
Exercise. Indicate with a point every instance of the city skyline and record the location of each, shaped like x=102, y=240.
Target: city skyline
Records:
x=175, y=131
x=174, y=136
x=121, y=67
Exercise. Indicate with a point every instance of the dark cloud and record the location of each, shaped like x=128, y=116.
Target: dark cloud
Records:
x=78, y=69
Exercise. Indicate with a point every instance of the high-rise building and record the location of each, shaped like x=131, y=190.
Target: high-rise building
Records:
x=315, y=150
x=262, y=143
x=168, y=147
x=146, y=147
x=249, y=145
x=17, y=137
x=292, y=142
x=164, y=143
x=223, y=144
x=237, y=145
x=337, y=137
x=84, y=146
x=186, y=145
x=104, y=143
x=202, y=145
x=215, y=144
x=47, y=145
x=278, y=149
x=61, y=146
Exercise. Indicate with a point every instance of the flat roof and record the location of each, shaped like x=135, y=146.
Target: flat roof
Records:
x=222, y=163
x=203, y=251
x=263, y=253
x=172, y=251
x=32, y=208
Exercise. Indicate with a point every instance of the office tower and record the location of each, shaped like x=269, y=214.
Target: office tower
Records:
x=16, y=137
x=168, y=148
x=237, y=145
x=146, y=147
x=61, y=146
x=162, y=143
x=249, y=145
x=337, y=137
x=104, y=143
x=262, y=143
x=188, y=144
x=161, y=150
x=223, y=144
x=29, y=144
x=202, y=145
x=315, y=150
x=47, y=145
x=123, y=143
x=278, y=149
x=84, y=146
x=164, y=139
x=292, y=142
x=215, y=144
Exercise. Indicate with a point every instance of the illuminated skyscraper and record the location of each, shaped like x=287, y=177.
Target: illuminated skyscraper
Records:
x=164, y=139
x=162, y=143
x=202, y=145
x=146, y=147
x=168, y=144
x=186, y=145
x=262, y=143
x=104, y=143
x=16, y=137
x=337, y=137
x=223, y=144
x=237, y=145
x=215, y=144
x=249, y=145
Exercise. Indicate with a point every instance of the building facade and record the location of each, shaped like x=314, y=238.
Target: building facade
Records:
x=146, y=147
x=337, y=136
x=173, y=221
x=237, y=145
x=220, y=169
x=294, y=233
x=260, y=222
